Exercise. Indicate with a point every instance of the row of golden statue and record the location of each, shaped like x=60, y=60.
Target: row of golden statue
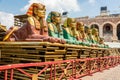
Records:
x=36, y=29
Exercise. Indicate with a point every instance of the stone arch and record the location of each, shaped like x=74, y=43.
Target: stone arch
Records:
x=118, y=30
x=108, y=31
x=95, y=25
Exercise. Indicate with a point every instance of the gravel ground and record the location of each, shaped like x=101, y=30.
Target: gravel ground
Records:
x=110, y=74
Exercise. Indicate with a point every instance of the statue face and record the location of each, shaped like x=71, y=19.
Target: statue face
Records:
x=72, y=23
x=96, y=33
x=89, y=31
x=81, y=28
x=57, y=19
x=40, y=12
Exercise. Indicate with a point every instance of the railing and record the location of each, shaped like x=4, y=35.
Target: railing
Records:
x=58, y=70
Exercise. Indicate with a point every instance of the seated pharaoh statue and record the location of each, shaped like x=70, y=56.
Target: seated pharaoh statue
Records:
x=35, y=28
x=95, y=34
x=89, y=36
x=81, y=35
x=70, y=32
x=54, y=26
x=96, y=38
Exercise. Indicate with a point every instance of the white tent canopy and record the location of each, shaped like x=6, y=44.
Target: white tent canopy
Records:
x=113, y=44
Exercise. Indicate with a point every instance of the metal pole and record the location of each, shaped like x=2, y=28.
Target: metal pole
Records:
x=5, y=75
x=11, y=74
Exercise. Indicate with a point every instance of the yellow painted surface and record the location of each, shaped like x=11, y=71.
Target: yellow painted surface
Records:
x=34, y=77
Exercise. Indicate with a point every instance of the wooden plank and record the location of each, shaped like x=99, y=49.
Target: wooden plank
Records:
x=20, y=59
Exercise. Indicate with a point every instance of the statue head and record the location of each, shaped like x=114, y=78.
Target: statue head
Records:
x=88, y=30
x=54, y=17
x=80, y=26
x=70, y=22
x=37, y=9
x=95, y=31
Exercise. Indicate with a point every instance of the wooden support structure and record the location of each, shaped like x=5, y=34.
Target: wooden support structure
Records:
x=24, y=52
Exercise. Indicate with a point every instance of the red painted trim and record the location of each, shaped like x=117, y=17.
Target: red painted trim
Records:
x=92, y=65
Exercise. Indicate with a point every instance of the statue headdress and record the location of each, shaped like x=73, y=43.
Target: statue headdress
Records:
x=67, y=21
x=51, y=14
x=31, y=8
x=79, y=24
x=30, y=12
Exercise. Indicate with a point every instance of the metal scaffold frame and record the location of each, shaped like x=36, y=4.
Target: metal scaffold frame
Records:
x=72, y=69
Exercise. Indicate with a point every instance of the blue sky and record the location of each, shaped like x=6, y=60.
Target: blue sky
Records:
x=12, y=6
x=76, y=8
x=93, y=8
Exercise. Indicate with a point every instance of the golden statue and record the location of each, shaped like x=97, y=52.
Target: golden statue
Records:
x=35, y=27
x=95, y=34
x=89, y=35
x=70, y=32
x=81, y=35
x=54, y=26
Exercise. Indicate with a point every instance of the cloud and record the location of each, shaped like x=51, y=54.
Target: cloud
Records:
x=92, y=1
x=6, y=19
x=56, y=5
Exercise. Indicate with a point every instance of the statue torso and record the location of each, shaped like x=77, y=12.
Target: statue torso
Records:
x=55, y=31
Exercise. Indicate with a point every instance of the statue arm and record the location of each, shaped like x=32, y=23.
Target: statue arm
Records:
x=77, y=37
x=31, y=21
x=51, y=30
x=11, y=32
x=89, y=38
x=66, y=33
x=93, y=39
x=85, y=36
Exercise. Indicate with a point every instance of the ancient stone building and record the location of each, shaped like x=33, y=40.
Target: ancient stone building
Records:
x=108, y=25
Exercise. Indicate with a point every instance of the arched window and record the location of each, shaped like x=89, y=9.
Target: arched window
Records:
x=108, y=29
x=108, y=32
x=94, y=26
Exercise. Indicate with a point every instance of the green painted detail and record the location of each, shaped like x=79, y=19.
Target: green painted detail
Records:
x=66, y=35
x=86, y=43
x=55, y=33
x=52, y=33
x=69, y=39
